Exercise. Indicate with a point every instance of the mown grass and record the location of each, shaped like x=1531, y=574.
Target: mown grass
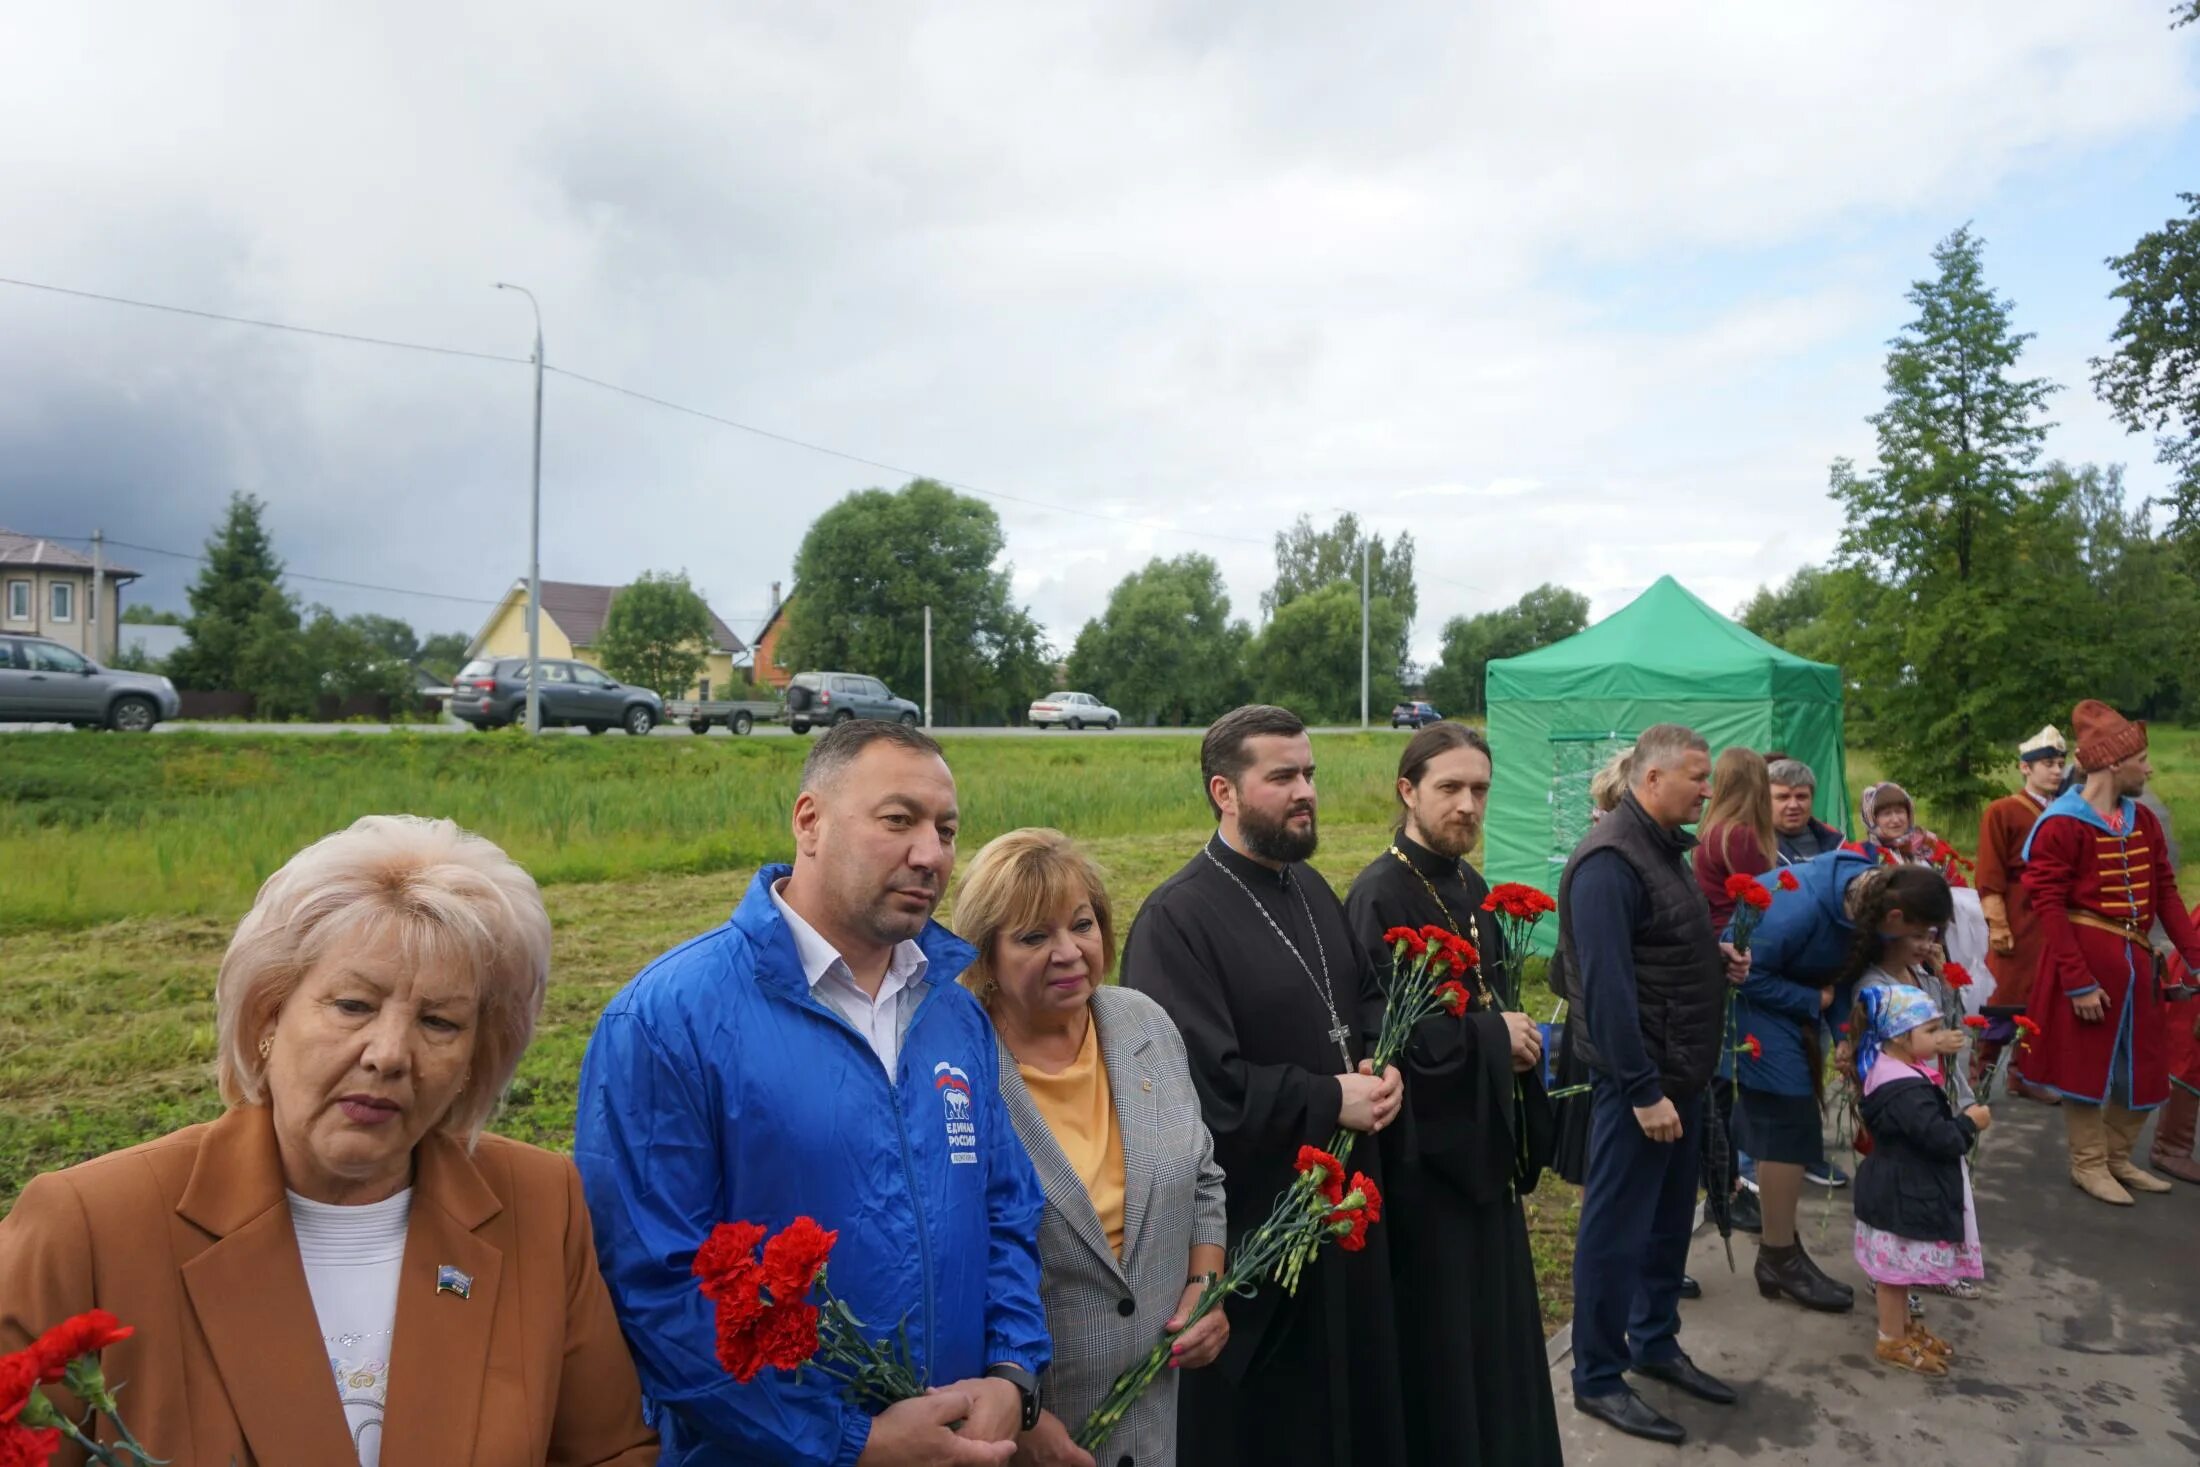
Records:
x=124, y=864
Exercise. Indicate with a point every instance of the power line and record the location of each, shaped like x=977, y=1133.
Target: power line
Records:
x=118, y=300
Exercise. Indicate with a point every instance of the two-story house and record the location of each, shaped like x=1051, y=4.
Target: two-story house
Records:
x=46, y=590
x=572, y=622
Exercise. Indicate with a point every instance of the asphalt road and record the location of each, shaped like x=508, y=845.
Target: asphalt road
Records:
x=664, y=731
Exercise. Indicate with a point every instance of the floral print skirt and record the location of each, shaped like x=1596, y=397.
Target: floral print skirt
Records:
x=1888, y=1258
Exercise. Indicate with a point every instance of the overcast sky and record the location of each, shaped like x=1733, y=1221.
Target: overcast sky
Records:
x=1583, y=292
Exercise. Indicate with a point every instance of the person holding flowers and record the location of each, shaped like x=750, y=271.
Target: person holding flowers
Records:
x=1250, y=953
x=1477, y=1388
x=342, y=1268
x=1916, y=1226
x=1097, y=1082
x=815, y=1057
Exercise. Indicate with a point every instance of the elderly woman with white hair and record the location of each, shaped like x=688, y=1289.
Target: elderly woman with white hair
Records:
x=343, y=1268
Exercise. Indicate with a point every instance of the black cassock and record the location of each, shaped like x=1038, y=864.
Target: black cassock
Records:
x=1311, y=1377
x=1470, y=1328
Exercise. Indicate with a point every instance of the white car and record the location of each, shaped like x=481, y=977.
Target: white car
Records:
x=1073, y=710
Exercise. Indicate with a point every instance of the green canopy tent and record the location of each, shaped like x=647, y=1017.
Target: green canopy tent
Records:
x=1558, y=713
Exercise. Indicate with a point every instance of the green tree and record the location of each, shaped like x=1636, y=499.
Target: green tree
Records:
x=2151, y=380
x=1935, y=535
x=350, y=657
x=1808, y=614
x=1308, y=560
x=145, y=616
x=657, y=634
x=888, y=554
x=243, y=626
x=1308, y=656
x=1165, y=651
x=392, y=635
x=444, y=653
x=1545, y=615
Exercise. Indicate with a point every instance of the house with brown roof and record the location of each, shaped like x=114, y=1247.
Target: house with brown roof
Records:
x=47, y=590
x=765, y=667
x=572, y=625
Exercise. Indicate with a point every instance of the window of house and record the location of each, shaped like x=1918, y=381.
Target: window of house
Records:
x=64, y=601
x=702, y=694
x=19, y=601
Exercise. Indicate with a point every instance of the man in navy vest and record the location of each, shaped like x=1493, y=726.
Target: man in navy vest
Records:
x=1649, y=984
x=815, y=1056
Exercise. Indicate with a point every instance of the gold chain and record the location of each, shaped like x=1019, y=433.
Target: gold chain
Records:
x=1480, y=983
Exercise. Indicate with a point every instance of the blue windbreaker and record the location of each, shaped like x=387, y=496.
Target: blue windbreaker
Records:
x=717, y=1089
x=1801, y=941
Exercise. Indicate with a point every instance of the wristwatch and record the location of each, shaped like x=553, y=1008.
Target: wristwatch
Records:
x=1026, y=1385
x=1205, y=1280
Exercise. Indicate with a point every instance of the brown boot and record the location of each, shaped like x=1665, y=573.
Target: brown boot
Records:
x=2025, y=1089
x=2124, y=1126
x=2173, y=1135
x=2088, y=1131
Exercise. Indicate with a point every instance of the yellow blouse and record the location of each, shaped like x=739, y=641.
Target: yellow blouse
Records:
x=1079, y=1109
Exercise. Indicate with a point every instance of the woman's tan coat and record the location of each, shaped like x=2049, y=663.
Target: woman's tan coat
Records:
x=188, y=1239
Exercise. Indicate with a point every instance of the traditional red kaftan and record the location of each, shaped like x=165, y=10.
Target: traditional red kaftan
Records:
x=2080, y=871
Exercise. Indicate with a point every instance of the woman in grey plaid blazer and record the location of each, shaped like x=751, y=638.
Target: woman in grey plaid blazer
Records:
x=1097, y=1084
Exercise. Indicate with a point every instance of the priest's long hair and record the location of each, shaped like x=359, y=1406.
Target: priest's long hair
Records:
x=1421, y=750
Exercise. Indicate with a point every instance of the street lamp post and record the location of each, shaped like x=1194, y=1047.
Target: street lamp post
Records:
x=535, y=526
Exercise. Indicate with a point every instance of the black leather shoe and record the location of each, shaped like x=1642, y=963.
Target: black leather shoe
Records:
x=1681, y=1373
x=1690, y=1289
x=1810, y=1263
x=1628, y=1412
x=1785, y=1271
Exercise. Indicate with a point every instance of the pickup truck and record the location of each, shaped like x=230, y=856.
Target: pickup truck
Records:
x=737, y=716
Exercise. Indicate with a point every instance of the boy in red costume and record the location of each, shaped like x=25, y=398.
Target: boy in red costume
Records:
x=2098, y=877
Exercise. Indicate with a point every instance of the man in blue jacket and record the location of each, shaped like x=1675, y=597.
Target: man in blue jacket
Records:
x=815, y=1056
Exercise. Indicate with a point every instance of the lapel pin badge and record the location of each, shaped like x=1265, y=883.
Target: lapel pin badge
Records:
x=449, y=1280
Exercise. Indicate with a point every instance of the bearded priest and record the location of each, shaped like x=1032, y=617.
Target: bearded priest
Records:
x=1476, y=1129
x=1248, y=950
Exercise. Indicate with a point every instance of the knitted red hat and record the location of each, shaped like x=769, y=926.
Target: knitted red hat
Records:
x=2104, y=736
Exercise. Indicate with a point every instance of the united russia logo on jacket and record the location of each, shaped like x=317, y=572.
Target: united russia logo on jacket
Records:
x=954, y=1088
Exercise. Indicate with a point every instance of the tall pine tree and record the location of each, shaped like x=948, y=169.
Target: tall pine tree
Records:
x=241, y=618
x=1943, y=632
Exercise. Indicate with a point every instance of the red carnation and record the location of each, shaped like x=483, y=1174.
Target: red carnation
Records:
x=18, y=1378
x=1787, y=880
x=740, y=1345
x=793, y=1259
x=1741, y=888
x=1436, y=934
x=786, y=1337
x=1974, y=1021
x=1955, y=975
x=1374, y=1206
x=1395, y=935
x=1313, y=1158
x=2025, y=1023
x=1754, y=1046
x=1452, y=997
x=20, y=1446
x=86, y=1334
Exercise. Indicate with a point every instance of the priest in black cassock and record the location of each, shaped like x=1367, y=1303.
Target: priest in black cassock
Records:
x=1476, y=1128
x=1250, y=953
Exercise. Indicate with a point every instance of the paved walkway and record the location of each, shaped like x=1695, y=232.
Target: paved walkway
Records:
x=2085, y=1349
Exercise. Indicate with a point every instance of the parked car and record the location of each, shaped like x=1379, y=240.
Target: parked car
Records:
x=491, y=692
x=837, y=697
x=1073, y=711
x=44, y=682
x=1414, y=715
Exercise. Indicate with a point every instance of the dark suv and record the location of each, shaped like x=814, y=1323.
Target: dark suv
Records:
x=1414, y=715
x=491, y=692
x=837, y=697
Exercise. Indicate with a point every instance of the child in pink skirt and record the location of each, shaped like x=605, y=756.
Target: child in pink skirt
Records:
x=1916, y=1226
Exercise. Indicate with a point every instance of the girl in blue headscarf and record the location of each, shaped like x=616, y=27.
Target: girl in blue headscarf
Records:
x=1915, y=1223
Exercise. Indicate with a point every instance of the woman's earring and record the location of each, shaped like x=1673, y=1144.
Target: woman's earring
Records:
x=267, y=1043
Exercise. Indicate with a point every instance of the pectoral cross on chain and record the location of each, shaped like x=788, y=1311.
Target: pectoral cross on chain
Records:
x=1340, y=1033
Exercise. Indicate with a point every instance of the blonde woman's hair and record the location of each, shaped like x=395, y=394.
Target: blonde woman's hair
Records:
x=1609, y=783
x=439, y=896
x=1741, y=796
x=1018, y=882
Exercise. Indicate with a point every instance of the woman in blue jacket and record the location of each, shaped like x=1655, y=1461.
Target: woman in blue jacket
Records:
x=1804, y=959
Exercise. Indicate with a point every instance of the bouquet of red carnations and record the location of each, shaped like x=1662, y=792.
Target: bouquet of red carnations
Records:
x=1316, y=1208
x=32, y=1429
x=1518, y=908
x=765, y=1317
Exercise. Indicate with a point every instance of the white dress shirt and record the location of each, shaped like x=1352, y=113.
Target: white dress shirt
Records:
x=882, y=1020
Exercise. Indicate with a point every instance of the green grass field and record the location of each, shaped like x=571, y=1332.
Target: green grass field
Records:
x=125, y=863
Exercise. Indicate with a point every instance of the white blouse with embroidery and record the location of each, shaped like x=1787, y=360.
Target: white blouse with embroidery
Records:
x=352, y=1257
